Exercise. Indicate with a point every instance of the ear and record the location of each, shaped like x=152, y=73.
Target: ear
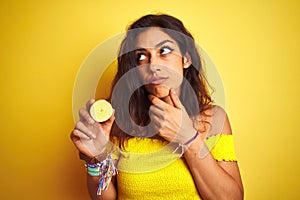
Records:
x=187, y=61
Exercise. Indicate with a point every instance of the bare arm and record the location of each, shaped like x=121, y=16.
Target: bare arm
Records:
x=109, y=194
x=90, y=138
x=214, y=180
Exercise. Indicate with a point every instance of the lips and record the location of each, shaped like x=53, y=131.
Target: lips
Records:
x=158, y=80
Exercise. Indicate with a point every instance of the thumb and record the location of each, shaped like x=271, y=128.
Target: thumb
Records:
x=175, y=99
x=112, y=117
x=107, y=125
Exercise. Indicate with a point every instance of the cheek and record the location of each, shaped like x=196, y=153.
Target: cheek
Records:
x=175, y=75
x=175, y=69
x=175, y=82
x=142, y=72
x=176, y=64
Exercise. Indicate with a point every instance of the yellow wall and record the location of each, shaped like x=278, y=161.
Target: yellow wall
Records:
x=254, y=44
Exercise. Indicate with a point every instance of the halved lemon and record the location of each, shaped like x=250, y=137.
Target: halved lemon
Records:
x=101, y=110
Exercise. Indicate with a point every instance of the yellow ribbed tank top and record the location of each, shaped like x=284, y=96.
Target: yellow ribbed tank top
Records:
x=145, y=173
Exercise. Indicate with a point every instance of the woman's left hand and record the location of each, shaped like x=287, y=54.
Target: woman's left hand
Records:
x=171, y=121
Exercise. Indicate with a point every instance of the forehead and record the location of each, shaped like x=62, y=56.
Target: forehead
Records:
x=151, y=37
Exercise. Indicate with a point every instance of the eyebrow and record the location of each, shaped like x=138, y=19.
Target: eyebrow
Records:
x=163, y=42
x=157, y=45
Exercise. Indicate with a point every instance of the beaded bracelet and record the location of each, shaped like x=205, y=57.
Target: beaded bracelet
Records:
x=105, y=169
x=186, y=144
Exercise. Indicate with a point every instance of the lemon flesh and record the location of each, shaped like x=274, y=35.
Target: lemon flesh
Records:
x=101, y=110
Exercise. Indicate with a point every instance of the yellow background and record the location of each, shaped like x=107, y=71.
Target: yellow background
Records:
x=254, y=44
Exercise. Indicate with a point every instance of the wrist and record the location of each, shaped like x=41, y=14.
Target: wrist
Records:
x=184, y=146
x=194, y=146
x=188, y=143
x=94, y=159
x=197, y=149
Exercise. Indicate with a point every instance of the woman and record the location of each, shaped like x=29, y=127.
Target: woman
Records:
x=162, y=100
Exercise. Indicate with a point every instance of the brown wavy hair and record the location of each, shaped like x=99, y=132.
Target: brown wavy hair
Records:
x=139, y=103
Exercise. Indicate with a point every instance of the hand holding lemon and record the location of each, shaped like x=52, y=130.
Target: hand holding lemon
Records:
x=92, y=131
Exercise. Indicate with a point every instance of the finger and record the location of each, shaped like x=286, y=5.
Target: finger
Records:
x=80, y=135
x=85, y=116
x=81, y=127
x=73, y=136
x=159, y=127
x=89, y=104
x=175, y=99
x=107, y=125
x=79, y=145
x=156, y=101
x=156, y=123
x=156, y=110
x=112, y=118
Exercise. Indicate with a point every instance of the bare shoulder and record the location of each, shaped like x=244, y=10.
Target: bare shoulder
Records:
x=221, y=115
x=214, y=120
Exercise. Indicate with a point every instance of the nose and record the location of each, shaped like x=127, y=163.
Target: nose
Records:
x=154, y=63
x=154, y=68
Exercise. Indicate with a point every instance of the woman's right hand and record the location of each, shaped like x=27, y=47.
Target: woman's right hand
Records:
x=90, y=137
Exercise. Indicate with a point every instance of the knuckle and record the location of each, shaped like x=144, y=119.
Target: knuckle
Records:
x=166, y=108
x=162, y=133
x=73, y=134
x=164, y=116
x=151, y=108
x=161, y=125
x=78, y=124
x=81, y=111
x=89, y=102
x=157, y=128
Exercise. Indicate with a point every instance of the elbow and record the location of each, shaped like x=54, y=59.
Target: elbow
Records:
x=240, y=195
x=240, y=192
x=237, y=194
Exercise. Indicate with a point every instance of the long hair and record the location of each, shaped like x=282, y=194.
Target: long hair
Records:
x=139, y=104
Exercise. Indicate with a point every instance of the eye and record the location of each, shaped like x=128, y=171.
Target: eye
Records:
x=141, y=57
x=166, y=50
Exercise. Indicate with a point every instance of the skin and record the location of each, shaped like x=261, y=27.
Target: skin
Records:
x=90, y=138
x=160, y=58
x=161, y=68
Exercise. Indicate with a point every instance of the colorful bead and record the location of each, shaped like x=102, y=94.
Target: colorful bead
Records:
x=105, y=169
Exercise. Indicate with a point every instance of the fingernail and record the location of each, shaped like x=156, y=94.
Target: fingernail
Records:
x=173, y=91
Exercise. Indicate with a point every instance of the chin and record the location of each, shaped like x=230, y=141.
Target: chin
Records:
x=160, y=92
x=161, y=96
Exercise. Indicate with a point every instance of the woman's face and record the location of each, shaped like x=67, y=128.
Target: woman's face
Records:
x=160, y=62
